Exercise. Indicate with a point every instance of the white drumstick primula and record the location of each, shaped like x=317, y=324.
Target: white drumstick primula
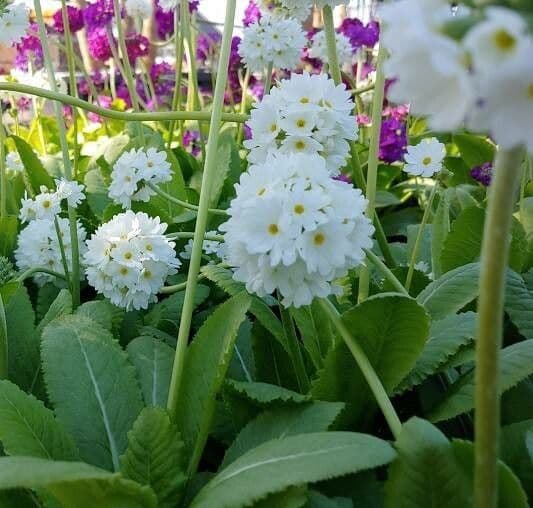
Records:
x=319, y=48
x=295, y=229
x=424, y=159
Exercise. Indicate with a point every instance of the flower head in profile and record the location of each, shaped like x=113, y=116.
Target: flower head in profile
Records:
x=294, y=229
x=424, y=159
x=128, y=259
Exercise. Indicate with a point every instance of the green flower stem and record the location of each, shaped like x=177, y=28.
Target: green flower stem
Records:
x=169, y=290
x=29, y=273
x=244, y=86
x=3, y=175
x=184, y=204
x=203, y=209
x=193, y=98
x=382, y=267
x=160, y=116
x=184, y=235
x=295, y=350
x=419, y=236
x=268, y=78
x=333, y=57
x=494, y=259
x=366, y=368
x=4, y=349
x=75, y=281
x=373, y=160
x=62, y=250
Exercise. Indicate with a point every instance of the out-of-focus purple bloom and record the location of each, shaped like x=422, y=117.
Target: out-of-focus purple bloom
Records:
x=399, y=111
x=247, y=132
x=360, y=34
x=483, y=173
x=98, y=14
x=393, y=140
x=137, y=45
x=257, y=89
x=24, y=103
x=98, y=44
x=191, y=142
x=252, y=14
x=98, y=80
x=105, y=102
x=124, y=94
x=343, y=178
x=163, y=78
x=207, y=45
x=366, y=69
x=312, y=65
x=371, y=34
x=29, y=49
x=75, y=19
x=193, y=5
x=164, y=21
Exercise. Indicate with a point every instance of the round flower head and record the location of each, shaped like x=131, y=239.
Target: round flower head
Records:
x=286, y=9
x=294, y=229
x=45, y=206
x=424, y=159
x=133, y=170
x=14, y=165
x=39, y=247
x=272, y=41
x=74, y=16
x=319, y=47
x=139, y=8
x=13, y=23
x=128, y=259
x=304, y=114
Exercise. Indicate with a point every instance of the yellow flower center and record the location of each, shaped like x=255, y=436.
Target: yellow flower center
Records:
x=504, y=40
x=128, y=255
x=299, y=145
x=150, y=164
x=273, y=229
x=261, y=191
x=304, y=100
x=46, y=204
x=124, y=271
x=300, y=123
x=299, y=209
x=273, y=127
x=530, y=91
x=147, y=274
x=426, y=161
x=149, y=247
x=319, y=239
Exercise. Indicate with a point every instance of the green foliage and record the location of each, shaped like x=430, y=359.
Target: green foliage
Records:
x=475, y=150
x=265, y=394
x=228, y=168
x=61, y=305
x=154, y=456
x=8, y=234
x=74, y=483
x=519, y=304
x=34, y=171
x=294, y=460
x=83, y=362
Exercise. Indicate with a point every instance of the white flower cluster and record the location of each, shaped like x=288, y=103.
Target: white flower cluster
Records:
x=14, y=165
x=305, y=114
x=133, y=170
x=129, y=258
x=294, y=229
x=484, y=80
x=13, y=23
x=139, y=8
x=319, y=47
x=285, y=9
x=38, y=246
x=272, y=41
x=47, y=204
x=424, y=159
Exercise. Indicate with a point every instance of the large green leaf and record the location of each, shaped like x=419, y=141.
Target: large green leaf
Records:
x=62, y=304
x=516, y=364
x=475, y=150
x=440, y=228
x=281, y=463
x=102, y=312
x=154, y=456
x=27, y=427
x=74, y=483
x=153, y=360
x=265, y=394
x=519, y=304
x=204, y=371
x=33, y=169
x=282, y=422
x=228, y=162
x=8, y=234
x=92, y=387
x=446, y=337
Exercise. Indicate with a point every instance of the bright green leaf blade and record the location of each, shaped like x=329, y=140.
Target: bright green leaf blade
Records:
x=33, y=167
x=265, y=394
x=293, y=497
x=440, y=227
x=102, y=312
x=27, y=427
x=153, y=360
x=516, y=364
x=154, y=456
x=62, y=304
x=294, y=460
x=519, y=304
x=8, y=234
x=475, y=150
x=92, y=387
x=74, y=483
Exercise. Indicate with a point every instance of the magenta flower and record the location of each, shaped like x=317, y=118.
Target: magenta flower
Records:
x=137, y=45
x=98, y=43
x=393, y=140
x=29, y=49
x=98, y=14
x=252, y=14
x=75, y=19
x=191, y=142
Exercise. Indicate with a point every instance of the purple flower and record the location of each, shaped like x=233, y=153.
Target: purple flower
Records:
x=483, y=173
x=393, y=140
x=360, y=34
x=163, y=78
x=191, y=142
x=164, y=22
x=98, y=14
x=24, y=103
x=193, y=5
x=75, y=19
x=206, y=45
x=98, y=44
x=29, y=49
x=343, y=178
x=98, y=79
x=105, y=102
x=252, y=14
x=137, y=45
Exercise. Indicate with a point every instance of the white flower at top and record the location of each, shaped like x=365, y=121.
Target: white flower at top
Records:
x=319, y=47
x=128, y=259
x=71, y=191
x=295, y=9
x=139, y=8
x=272, y=41
x=294, y=229
x=39, y=247
x=46, y=205
x=424, y=159
x=133, y=170
x=13, y=23
x=14, y=165
x=306, y=114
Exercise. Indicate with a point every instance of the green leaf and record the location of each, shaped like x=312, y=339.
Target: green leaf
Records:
x=227, y=161
x=154, y=456
x=451, y=292
x=242, y=367
x=281, y=463
x=293, y=497
x=74, y=483
x=204, y=371
x=516, y=364
x=446, y=337
x=287, y=421
x=61, y=305
x=33, y=168
x=27, y=427
x=102, y=312
x=153, y=360
x=265, y=394
x=519, y=304
x=83, y=362
x=475, y=150
x=516, y=447
x=8, y=234
x=440, y=228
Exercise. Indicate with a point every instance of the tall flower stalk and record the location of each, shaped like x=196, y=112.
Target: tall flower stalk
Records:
x=203, y=208
x=494, y=259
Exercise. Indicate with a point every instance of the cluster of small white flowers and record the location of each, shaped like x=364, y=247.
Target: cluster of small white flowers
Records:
x=129, y=258
x=133, y=170
x=272, y=41
x=38, y=246
x=209, y=247
x=14, y=165
x=424, y=159
x=294, y=229
x=285, y=9
x=47, y=204
x=304, y=114
x=38, y=79
x=455, y=82
x=319, y=47
x=13, y=23
x=139, y=8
